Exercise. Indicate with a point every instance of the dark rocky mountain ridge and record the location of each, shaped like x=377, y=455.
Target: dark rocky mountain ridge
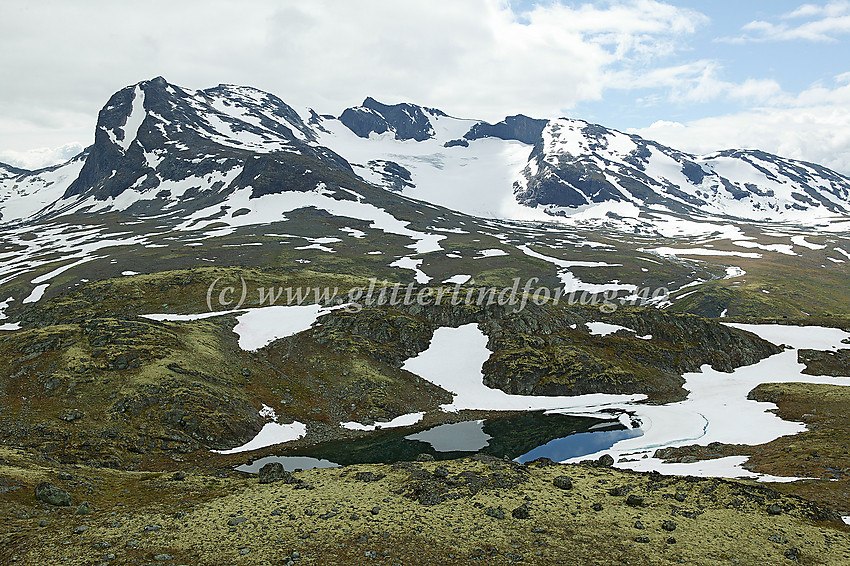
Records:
x=154, y=133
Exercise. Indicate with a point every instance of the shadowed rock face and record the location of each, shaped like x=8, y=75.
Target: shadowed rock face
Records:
x=182, y=134
x=395, y=177
x=407, y=121
x=519, y=128
x=575, y=163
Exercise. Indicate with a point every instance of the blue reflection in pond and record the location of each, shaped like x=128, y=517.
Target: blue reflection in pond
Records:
x=579, y=444
x=523, y=436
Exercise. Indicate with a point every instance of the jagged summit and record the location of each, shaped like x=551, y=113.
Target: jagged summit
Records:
x=161, y=147
x=159, y=143
x=518, y=127
x=406, y=121
x=576, y=163
x=7, y=171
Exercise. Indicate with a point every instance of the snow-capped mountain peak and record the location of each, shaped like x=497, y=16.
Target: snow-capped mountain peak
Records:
x=159, y=147
x=576, y=163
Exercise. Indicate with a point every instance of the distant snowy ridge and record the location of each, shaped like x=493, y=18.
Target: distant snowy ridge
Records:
x=523, y=168
x=160, y=148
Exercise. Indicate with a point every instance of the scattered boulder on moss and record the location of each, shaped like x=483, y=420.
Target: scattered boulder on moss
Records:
x=52, y=495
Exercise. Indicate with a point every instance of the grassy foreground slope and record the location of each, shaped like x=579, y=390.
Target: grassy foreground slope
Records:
x=470, y=511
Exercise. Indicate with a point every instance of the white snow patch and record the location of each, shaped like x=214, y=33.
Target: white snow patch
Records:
x=493, y=252
x=454, y=360
x=268, y=412
x=36, y=294
x=801, y=241
x=185, y=317
x=134, y=120
x=604, y=329
x=319, y=247
x=260, y=327
x=3, y=305
x=271, y=434
x=409, y=419
x=733, y=272
x=59, y=270
x=353, y=232
x=571, y=282
x=458, y=279
x=413, y=265
x=778, y=248
x=665, y=251
x=563, y=262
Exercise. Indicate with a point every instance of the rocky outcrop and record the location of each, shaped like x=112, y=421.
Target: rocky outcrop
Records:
x=52, y=495
x=518, y=127
x=818, y=362
x=113, y=387
x=395, y=177
x=549, y=351
x=177, y=134
x=406, y=121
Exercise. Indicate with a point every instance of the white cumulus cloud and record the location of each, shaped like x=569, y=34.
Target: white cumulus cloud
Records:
x=819, y=23
x=812, y=126
x=41, y=156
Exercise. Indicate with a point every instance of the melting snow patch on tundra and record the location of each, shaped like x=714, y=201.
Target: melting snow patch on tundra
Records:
x=458, y=279
x=3, y=305
x=36, y=293
x=494, y=252
x=717, y=408
x=604, y=329
x=186, y=317
x=413, y=265
x=801, y=241
x=271, y=434
x=400, y=421
x=271, y=208
x=571, y=282
x=778, y=248
x=260, y=327
x=454, y=360
x=697, y=251
x=733, y=272
x=9, y=326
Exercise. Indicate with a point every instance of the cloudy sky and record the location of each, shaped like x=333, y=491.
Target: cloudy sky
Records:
x=696, y=75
